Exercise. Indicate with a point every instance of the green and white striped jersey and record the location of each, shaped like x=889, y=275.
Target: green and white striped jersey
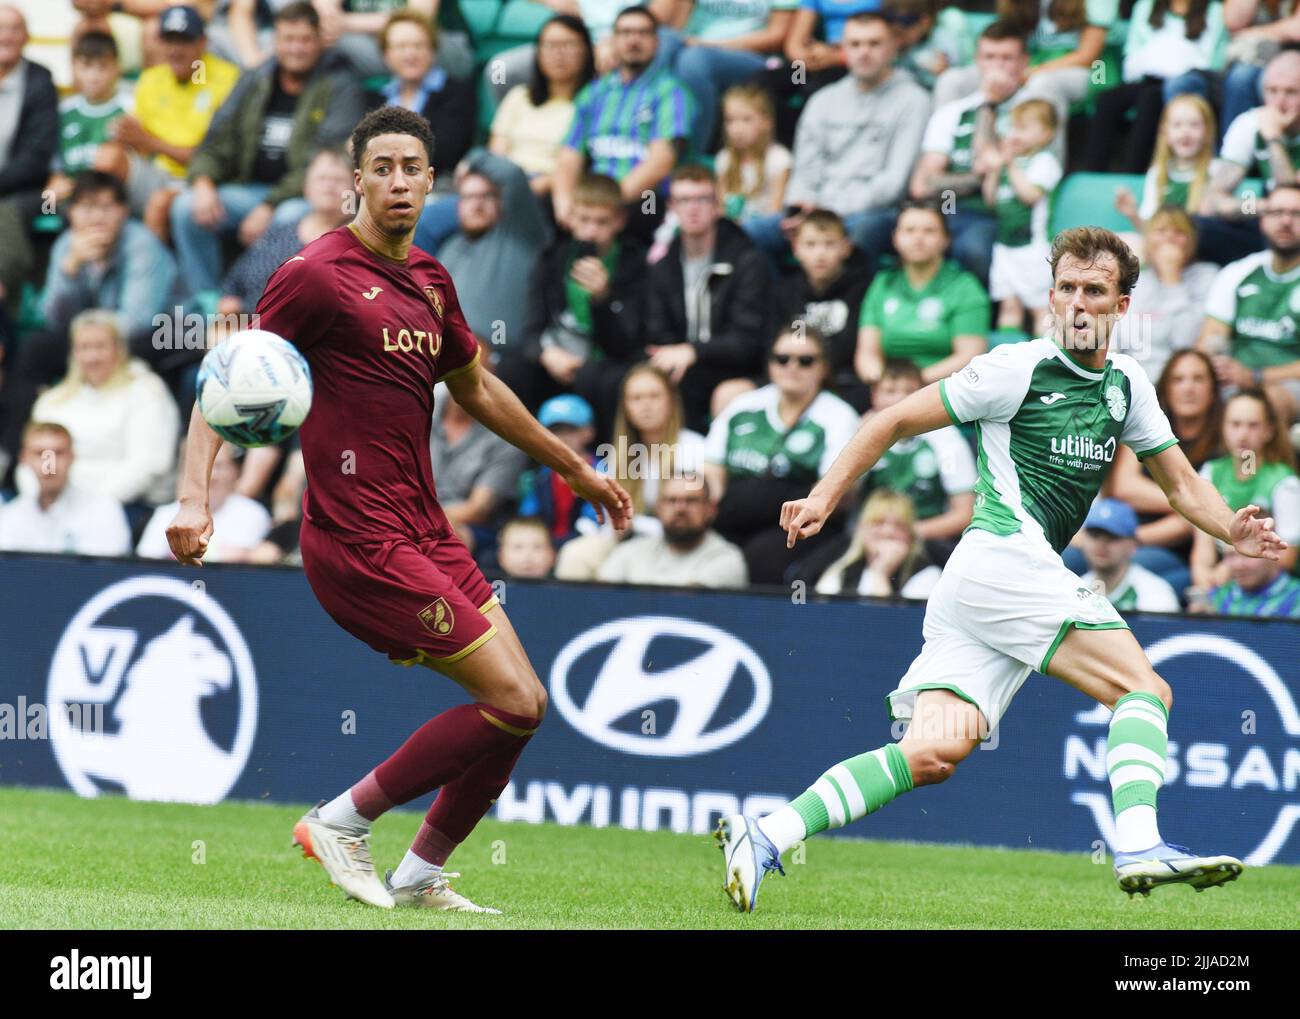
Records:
x=1047, y=430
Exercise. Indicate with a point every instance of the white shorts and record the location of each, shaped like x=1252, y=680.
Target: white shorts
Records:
x=1022, y=273
x=1001, y=608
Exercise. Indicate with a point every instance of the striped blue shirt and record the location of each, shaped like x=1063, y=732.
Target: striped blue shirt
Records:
x=1280, y=599
x=615, y=121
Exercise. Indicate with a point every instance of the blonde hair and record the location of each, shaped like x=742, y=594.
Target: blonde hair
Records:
x=732, y=181
x=881, y=503
x=73, y=381
x=1038, y=111
x=623, y=428
x=1201, y=164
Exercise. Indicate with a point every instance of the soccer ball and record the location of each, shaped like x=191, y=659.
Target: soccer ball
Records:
x=254, y=388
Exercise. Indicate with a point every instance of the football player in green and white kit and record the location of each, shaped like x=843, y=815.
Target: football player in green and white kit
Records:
x=1049, y=414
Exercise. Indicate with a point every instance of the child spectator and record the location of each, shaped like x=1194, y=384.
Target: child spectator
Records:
x=882, y=557
x=524, y=548
x=1258, y=470
x=87, y=116
x=1018, y=187
x=542, y=492
x=752, y=169
x=1180, y=172
x=826, y=292
x=1172, y=47
x=936, y=470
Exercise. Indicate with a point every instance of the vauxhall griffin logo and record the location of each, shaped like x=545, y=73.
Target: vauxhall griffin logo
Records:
x=706, y=688
x=178, y=691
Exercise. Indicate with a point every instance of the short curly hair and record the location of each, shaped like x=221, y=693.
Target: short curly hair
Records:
x=390, y=120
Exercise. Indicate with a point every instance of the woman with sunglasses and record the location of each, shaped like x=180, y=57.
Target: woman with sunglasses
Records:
x=771, y=441
x=928, y=309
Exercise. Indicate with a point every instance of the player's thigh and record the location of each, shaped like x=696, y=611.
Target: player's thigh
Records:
x=943, y=732
x=498, y=671
x=1106, y=665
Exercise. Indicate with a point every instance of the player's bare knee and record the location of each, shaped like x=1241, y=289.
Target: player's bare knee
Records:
x=1150, y=683
x=931, y=763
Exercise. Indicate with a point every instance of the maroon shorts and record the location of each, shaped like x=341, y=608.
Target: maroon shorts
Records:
x=414, y=601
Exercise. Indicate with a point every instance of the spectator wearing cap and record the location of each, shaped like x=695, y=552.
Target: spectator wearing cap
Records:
x=1108, y=544
x=477, y=470
x=59, y=516
x=249, y=169
x=29, y=137
x=542, y=492
x=1258, y=588
x=174, y=105
x=689, y=553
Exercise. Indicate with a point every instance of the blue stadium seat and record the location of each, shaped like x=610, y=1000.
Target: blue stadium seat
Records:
x=1088, y=199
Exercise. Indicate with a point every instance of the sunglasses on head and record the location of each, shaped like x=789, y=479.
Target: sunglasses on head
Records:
x=804, y=360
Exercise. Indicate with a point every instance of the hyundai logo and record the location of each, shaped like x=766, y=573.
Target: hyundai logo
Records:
x=708, y=667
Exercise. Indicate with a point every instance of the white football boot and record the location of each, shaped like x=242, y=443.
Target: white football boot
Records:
x=345, y=854
x=1167, y=864
x=436, y=893
x=747, y=856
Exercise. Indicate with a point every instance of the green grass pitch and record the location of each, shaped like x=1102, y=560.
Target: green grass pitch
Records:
x=113, y=863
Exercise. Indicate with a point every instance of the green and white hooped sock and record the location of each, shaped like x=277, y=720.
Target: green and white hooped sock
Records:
x=848, y=791
x=1135, y=758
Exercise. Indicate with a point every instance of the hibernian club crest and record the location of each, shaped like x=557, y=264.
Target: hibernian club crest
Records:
x=1115, y=402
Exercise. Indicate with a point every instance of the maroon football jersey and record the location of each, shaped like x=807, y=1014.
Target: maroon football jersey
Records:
x=378, y=334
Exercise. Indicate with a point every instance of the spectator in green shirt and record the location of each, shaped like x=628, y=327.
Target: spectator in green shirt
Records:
x=928, y=309
x=1258, y=470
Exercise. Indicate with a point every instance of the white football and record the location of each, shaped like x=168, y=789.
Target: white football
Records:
x=254, y=388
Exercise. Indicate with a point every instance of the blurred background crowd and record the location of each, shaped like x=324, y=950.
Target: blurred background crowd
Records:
x=700, y=239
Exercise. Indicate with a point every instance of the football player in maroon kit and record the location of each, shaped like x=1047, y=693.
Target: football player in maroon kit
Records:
x=379, y=323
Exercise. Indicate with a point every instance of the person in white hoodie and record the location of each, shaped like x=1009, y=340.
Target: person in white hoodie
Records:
x=123, y=420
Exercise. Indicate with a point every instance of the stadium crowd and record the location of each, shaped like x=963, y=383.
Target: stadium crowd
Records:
x=700, y=239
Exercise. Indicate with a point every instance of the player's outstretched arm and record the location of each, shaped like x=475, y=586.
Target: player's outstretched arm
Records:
x=189, y=532
x=489, y=400
x=1196, y=499
x=923, y=411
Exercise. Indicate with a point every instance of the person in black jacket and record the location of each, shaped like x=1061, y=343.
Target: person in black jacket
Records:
x=29, y=136
x=708, y=298
x=450, y=105
x=582, y=328
x=826, y=292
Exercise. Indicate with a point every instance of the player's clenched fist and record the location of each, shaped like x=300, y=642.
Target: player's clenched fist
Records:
x=189, y=532
x=803, y=518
